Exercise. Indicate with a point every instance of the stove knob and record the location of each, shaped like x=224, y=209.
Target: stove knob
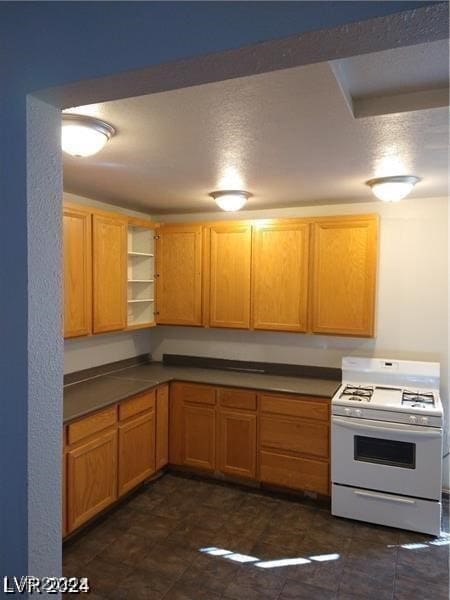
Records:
x=424, y=420
x=348, y=411
x=413, y=419
x=358, y=412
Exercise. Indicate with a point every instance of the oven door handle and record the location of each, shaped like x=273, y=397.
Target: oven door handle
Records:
x=423, y=432
x=395, y=499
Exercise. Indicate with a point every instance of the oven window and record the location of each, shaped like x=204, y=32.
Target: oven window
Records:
x=385, y=452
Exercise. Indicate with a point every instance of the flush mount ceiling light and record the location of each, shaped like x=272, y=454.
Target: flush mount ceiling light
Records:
x=230, y=200
x=392, y=189
x=84, y=136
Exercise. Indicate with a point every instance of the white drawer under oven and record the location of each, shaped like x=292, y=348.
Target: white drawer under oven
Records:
x=387, y=509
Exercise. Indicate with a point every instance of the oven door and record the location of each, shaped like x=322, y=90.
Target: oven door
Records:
x=390, y=457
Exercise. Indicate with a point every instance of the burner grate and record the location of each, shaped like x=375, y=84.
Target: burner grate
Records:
x=410, y=397
x=358, y=391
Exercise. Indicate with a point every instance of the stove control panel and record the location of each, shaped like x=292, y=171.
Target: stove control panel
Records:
x=386, y=415
x=353, y=412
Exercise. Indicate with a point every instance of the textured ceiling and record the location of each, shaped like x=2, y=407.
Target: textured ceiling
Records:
x=288, y=137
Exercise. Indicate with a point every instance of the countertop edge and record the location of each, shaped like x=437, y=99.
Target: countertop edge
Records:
x=150, y=384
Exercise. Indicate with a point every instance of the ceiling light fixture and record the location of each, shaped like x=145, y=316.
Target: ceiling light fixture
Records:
x=84, y=136
x=230, y=200
x=392, y=189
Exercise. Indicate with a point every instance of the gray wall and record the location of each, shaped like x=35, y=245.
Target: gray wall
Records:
x=82, y=353
x=45, y=357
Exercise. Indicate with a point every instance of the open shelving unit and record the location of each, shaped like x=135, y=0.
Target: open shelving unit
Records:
x=141, y=276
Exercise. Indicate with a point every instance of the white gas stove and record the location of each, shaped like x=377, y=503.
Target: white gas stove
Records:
x=387, y=443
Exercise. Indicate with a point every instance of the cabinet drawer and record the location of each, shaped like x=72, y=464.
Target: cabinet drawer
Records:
x=295, y=435
x=90, y=425
x=303, y=406
x=136, y=405
x=200, y=394
x=294, y=472
x=233, y=398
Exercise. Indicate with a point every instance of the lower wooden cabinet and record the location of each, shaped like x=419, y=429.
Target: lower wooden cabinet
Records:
x=295, y=435
x=162, y=426
x=199, y=437
x=136, y=451
x=193, y=425
x=91, y=478
x=294, y=472
x=111, y=451
x=280, y=439
x=294, y=442
x=237, y=443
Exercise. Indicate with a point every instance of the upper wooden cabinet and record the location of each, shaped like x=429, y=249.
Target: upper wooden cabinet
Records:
x=77, y=271
x=344, y=275
x=315, y=275
x=280, y=276
x=179, y=275
x=229, y=275
x=100, y=293
x=109, y=241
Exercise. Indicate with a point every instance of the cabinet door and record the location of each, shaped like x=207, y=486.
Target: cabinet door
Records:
x=229, y=298
x=162, y=426
x=77, y=272
x=199, y=437
x=179, y=275
x=237, y=443
x=91, y=478
x=344, y=275
x=136, y=451
x=110, y=291
x=280, y=276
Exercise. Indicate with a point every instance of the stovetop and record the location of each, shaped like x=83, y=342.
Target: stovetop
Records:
x=411, y=400
x=400, y=391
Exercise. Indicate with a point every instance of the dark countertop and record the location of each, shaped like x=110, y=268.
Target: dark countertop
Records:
x=86, y=396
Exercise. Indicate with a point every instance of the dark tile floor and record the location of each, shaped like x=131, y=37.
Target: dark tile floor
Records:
x=181, y=538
